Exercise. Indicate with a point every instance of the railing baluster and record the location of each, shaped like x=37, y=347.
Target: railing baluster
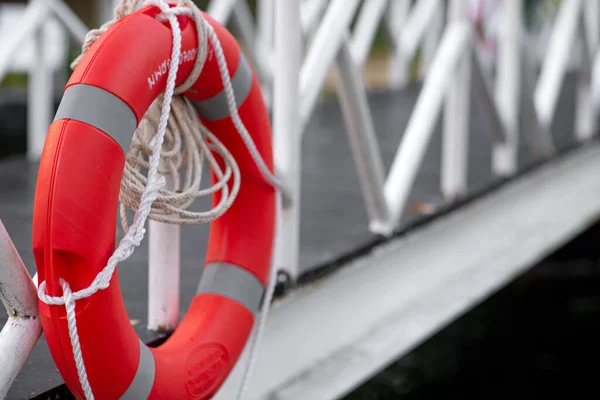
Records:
x=508, y=84
x=585, y=120
x=40, y=102
x=456, y=116
x=164, y=255
x=287, y=133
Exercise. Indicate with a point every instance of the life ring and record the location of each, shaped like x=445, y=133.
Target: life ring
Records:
x=76, y=200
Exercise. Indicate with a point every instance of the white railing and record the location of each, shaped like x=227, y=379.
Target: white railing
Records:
x=447, y=84
x=294, y=44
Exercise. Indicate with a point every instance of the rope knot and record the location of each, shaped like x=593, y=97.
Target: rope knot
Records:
x=168, y=11
x=52, y=300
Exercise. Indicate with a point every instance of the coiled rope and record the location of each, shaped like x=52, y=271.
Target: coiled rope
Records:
x=179, y=140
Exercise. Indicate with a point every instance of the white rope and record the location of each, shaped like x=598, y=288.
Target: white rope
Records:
x=148, y=195
x=184, y=145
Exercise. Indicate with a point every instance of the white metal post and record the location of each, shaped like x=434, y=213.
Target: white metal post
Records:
x=265, y=20
x=39, y=96
x=362, y=138
x=456, y=115
x=19, y=296
x=287, y=130
x=585, y=117
x=508, y=85
x=164, y=255
x=400, y=62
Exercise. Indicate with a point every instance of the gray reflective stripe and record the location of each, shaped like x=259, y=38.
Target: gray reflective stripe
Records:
x=215, y=108
x=143, y=380
x=101, y=109
x=234, y=282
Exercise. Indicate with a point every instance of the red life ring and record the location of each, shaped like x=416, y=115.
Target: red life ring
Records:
x=76, y=201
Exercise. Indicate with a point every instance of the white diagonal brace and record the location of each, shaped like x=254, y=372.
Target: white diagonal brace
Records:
x=363, y=141
x=368, y=21
x=325, y=46
x=23, y=328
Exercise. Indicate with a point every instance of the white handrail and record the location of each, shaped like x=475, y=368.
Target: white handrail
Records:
x=287, y=130
x=508, y=85
x=164, y=262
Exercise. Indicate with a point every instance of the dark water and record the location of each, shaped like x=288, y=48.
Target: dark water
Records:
x=538, y=337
